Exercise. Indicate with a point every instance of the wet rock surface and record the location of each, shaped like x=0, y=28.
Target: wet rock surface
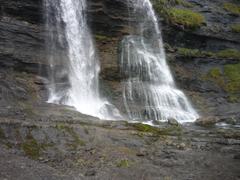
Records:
x=43, y=141
x=59, y=143
x=22, y=50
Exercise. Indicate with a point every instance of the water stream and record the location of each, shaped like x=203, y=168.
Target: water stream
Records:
x=74, y=71
x=149, y=90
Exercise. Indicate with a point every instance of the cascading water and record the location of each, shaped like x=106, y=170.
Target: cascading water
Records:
x=149, y=90
x=73, y=59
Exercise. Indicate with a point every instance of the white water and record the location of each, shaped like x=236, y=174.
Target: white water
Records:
x=149, y=90
x=78, y=63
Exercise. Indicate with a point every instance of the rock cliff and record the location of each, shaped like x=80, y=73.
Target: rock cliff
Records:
x=202, y=43
x=200, y=57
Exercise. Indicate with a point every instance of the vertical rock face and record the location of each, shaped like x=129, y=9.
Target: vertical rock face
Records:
x=23, y=57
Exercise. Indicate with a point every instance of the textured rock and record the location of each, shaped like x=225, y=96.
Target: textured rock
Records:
x=207, y=121
x=73, y=146
x=22, y=48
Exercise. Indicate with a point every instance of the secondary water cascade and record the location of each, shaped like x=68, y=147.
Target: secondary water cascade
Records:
x=73, y=60
x=149, y=91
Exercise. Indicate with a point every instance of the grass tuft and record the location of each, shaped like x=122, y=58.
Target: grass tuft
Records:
x=235, y=28
x=232, y=8
x=187, y=18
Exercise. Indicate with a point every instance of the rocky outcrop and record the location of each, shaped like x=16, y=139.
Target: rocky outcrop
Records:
x=22, y=50
x=39, y=140
x=58, y=143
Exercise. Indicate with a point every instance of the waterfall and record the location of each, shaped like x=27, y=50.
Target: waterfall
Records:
x=149, y=91
x=74, y=66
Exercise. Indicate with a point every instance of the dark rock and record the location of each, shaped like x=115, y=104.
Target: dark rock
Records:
x=173, y=122
x=207, y=121
x=142, y=152
x=90, y=172
x=237, y=156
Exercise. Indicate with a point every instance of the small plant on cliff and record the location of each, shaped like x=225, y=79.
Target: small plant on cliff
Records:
x=194, y=53
x=161, y=6
x=235, y=28
x=232, y=8
x=31, y=147
x=187, y=18
x=228, y=79
x=229, y=54
x=232, y=72
x=215, y=73
x=124, y=163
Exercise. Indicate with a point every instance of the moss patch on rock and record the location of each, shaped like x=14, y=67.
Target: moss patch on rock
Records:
x=232, y=8
x=2, y=134
x=232, y=73
x=168, y=131
x=223, y=54
x=175, y=12
x=123, y=163
x=229, y=54
x=228, y=79
x=191, y=53
x=162, y=6
x=31, y=147
x=215, y=73
x=76, y=139
x=185, y=17
x=99, y=37
x=235, y=28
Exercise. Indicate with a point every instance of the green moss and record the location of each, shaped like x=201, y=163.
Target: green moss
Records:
x=76, y=139
x=31, y=147
x=215, y=73
x=75, y=136
x=225, y=54
x=232, y=73
x=124, y=163
x=144, y=128
x=229, y=54
x=2, y=134
x=235, y=28
x=162, y=6
x=185, y=52
x=191, y=53
x=228, y=80
x=9, y=145
x=99, y=37
x=232, y=8
x=187, y=18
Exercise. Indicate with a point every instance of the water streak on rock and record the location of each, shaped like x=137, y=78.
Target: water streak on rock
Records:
x=149, y=90
x=74, y=63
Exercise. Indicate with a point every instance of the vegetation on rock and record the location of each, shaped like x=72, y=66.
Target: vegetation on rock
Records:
x=31, y=147
x=169, y=130
x=229, y=54
x=2, y=134
x=235, y=28
x=228, y=79
x=185, y=17
x=215, y=73
x=76, y=139
x=224, y=54
x=124, y=163
x=232, y=8
x=190, y=53
x=173, y=15
x=232, y=73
